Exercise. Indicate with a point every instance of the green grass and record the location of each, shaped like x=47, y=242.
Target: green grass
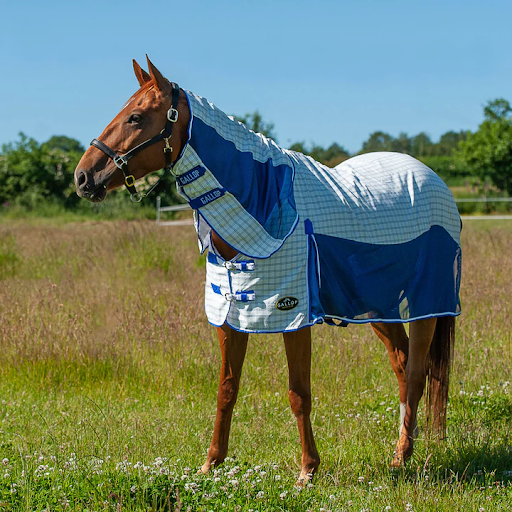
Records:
x=108, y=378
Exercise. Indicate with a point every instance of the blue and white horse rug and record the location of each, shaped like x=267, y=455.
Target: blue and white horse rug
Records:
x=376, y=239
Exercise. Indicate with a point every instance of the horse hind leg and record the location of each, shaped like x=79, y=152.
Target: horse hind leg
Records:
x=298, y=353
x=396, y=341
x=421, y=333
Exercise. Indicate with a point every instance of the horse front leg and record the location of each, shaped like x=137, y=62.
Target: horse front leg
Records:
x=421, y=333
x=233, y=346
x=298, y=353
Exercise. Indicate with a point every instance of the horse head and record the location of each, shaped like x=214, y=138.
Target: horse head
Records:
x=142, y=132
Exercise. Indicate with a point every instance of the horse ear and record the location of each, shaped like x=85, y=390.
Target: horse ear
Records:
x=161, y=83
x=141, y=75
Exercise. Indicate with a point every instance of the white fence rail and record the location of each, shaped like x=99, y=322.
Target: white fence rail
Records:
x=174, y=208
x=189, y=222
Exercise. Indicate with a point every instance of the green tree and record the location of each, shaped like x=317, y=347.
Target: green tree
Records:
x=31, y=172
x=331, y=156
x=402, y=144
x=256, y=123
x=378, y=141
x=66, y=144
x=488, y=152
x=421, y=145
x=448, y=143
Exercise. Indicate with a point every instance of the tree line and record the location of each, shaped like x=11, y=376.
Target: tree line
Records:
x=33, y=172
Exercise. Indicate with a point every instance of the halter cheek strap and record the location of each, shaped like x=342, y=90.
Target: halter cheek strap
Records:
x=121, y=161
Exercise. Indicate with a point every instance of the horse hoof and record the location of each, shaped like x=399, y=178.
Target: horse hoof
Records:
x=205, y=469
x=305, y=478
x=398, y=462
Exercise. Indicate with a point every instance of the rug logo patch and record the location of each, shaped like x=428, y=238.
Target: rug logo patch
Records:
x=287, y=303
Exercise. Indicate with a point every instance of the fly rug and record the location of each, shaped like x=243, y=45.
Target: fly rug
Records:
x=376, y=239
x=292, y=243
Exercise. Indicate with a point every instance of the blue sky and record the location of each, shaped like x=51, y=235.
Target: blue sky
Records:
x=321, y=71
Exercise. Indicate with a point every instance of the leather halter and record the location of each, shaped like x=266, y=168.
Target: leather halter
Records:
x=121, y=161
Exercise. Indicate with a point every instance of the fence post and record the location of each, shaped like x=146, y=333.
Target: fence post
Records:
x=158, y=200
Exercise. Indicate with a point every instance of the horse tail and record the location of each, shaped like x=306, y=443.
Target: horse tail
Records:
x=440, y=357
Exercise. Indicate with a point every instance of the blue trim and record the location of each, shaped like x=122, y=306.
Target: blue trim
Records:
x=216, y=289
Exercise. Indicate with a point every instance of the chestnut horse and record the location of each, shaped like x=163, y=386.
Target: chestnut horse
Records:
x=151, y=131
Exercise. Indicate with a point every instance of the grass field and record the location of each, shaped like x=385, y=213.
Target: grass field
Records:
x=108, y=380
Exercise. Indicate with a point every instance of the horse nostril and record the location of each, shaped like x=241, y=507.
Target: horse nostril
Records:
x=81, y=179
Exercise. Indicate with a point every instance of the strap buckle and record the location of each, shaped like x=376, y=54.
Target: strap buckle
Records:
x=120, y=161
x=245, y=296
x=172, y=115
x=129, y=180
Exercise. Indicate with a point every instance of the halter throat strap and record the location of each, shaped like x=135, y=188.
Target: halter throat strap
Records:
x=121, y=161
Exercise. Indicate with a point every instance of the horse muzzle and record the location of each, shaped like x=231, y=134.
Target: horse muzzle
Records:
x=87, y=188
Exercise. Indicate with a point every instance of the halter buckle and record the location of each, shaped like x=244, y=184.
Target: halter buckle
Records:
x=129, y=181
x=120, y=161
x=168, y=147
x=172, y=115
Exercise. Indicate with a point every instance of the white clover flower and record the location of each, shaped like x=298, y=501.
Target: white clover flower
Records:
x=275, y=467
x=408, y=507
x=283, y=495
x=277, y=478
x=5, y=461
x=387, y=507
x=260, y=495
x=332, y=497
x=361, y=479
x=133, y=488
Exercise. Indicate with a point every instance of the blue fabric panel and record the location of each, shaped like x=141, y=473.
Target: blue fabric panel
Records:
x=216, y=289
x=357, y=277
x=264, y=190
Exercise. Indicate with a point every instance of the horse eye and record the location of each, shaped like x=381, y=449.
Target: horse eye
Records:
x=134, y=119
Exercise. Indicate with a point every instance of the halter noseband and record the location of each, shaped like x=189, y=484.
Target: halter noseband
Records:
x=121, y=161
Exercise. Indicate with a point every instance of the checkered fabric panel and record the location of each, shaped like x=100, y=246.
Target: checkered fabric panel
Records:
x=284, y=274
x=377, y=198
